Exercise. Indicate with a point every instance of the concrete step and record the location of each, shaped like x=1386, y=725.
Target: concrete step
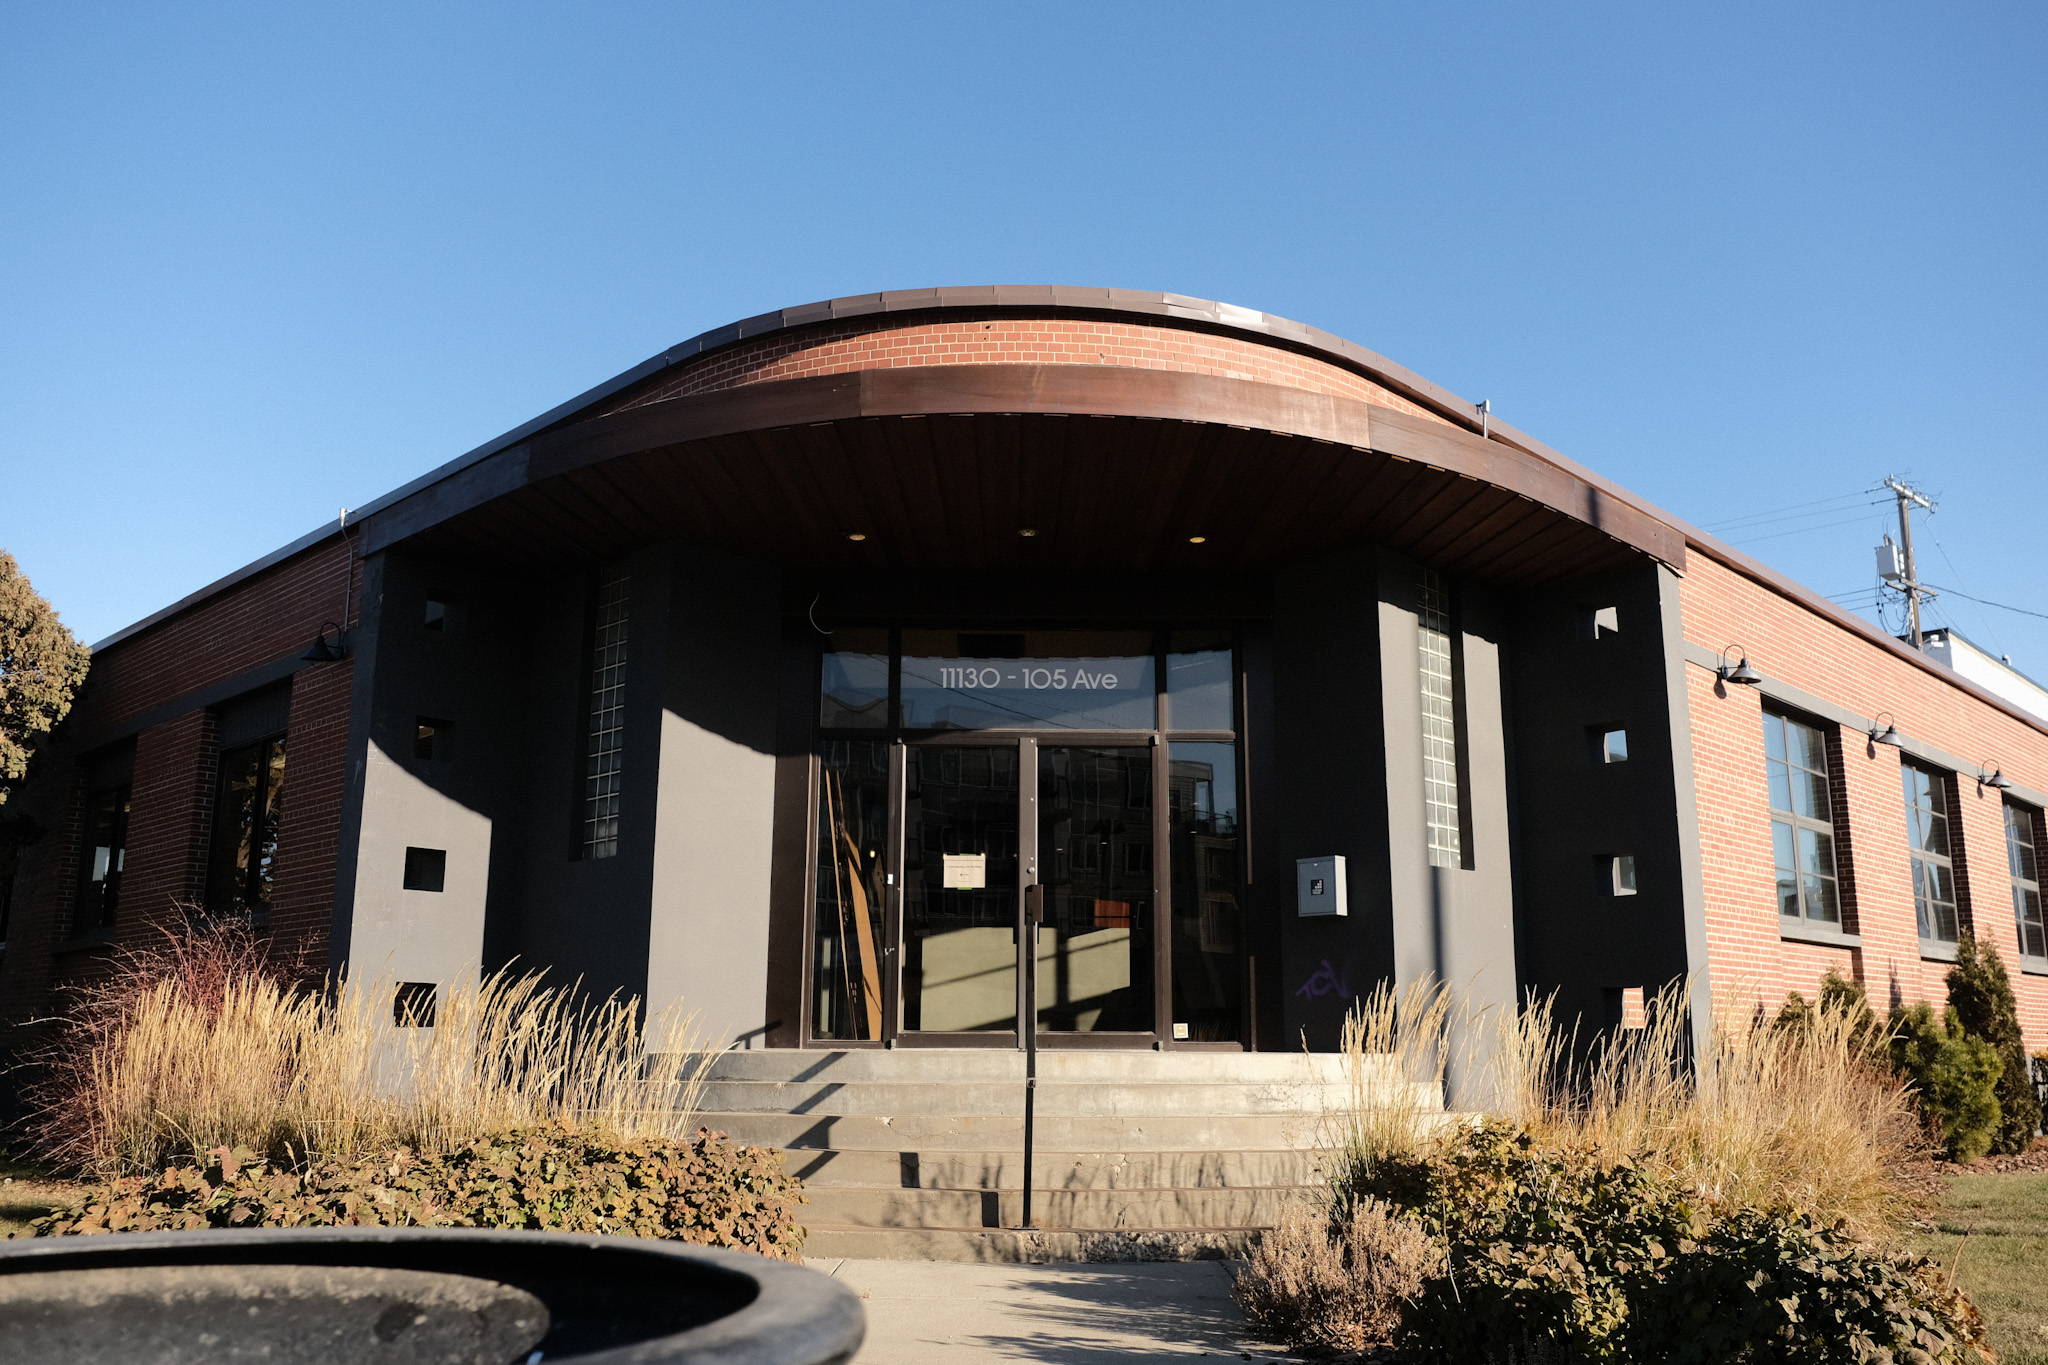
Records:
x=1106, y=1210
x=994, y=1245
x=1007, y=1064
x=928, y=1133
x=999, y=1170
x=1078, y=1099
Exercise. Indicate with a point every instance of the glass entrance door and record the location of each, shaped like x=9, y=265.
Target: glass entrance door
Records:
x=1045, y=813
x=1000, y=833
x=1097, y=936
x=962, y=887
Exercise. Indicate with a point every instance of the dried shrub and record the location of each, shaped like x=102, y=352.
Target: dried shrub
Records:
x=1342, y=1282
x=1801, y=1112
x=1602, y=1261
x=702, y=1189
x=205, y=1043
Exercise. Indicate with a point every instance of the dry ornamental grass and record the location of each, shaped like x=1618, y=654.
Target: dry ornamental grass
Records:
x=191, y=1052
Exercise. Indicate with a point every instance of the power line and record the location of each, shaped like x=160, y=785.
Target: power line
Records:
x=1751, y=523
x=1789, y=507
x=1802, y=530
x=2002, y=606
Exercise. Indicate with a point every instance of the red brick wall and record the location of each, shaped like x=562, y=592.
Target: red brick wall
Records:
x=880, y=343
x=270, y=617
x=1795, y=644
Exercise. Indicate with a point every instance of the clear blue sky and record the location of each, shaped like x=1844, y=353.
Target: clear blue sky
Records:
x=258, y=262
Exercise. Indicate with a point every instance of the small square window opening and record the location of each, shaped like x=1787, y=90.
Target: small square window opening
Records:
x=1634, y=1014
x=1622, y=874
x=412, y=1006
x=432, y=739
x=1605, y=621
x=426, y=869
x=435, y=615
x=1614, y=746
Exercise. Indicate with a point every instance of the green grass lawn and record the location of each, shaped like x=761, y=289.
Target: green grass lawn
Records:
x=1993, y=1230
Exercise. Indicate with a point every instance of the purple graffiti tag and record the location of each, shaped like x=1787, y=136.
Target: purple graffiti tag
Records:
x=1325, y=980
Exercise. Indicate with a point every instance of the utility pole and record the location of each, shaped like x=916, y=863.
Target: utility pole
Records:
x=1909, y=581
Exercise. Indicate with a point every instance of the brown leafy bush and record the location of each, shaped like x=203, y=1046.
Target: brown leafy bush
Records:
x=704, y=1189
x=1340, y=1283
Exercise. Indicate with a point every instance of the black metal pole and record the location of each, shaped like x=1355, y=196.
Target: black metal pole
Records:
x=1034, y=913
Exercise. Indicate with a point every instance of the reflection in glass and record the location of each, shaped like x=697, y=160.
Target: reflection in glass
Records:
x=1208, y=972
x=1027, y=680
x=853, y=690
x=245, y=830
x=1094, y=953
x=1199, y=678
x=106, y=838
x=853, y=836
x=959, y=891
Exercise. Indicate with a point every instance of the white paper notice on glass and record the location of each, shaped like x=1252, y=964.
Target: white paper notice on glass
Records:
x=965, y=871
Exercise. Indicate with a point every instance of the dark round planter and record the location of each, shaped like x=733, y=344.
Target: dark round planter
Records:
x=406, y=1296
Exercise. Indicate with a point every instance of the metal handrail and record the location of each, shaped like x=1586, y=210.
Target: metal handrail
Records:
x=1034, y=916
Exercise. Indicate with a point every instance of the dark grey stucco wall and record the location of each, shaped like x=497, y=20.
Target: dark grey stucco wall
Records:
x=1455, y=924
x=464, y=802
x=714, y=835
x=1325, y=791
x=587, y=917
x=1574, y=812
x=1347, y=780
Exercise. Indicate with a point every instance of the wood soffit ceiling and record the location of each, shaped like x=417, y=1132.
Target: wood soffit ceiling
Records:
x=942, y=466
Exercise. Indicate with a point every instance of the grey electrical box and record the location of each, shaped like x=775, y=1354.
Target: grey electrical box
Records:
x=1891, y=565
x=1319, y=887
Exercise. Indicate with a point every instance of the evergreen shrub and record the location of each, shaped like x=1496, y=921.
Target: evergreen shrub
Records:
x=1980, y=995
x=1954, y=1077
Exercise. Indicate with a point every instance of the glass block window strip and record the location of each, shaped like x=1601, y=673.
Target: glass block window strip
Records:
x=1802, y=822
x=607, y=744
x=2022, y=838
x=1927, y=829
x=1439, y=723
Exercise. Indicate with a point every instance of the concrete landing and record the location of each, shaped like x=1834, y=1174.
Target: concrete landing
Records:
x=945, y=1314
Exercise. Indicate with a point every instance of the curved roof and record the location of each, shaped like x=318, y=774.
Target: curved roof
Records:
x=500, y=466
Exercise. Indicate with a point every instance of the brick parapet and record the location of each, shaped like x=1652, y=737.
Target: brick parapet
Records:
x=993, y=338
x=272, y=615
x=1796, y=645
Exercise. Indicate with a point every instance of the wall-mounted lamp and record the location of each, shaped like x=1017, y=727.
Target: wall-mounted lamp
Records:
x=1741, y=673
x=327, y=648
x=1882, y=731
x=1988, y=775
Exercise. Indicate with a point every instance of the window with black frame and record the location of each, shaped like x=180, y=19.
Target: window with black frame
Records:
x=1802, y=823
x=2022, y=839
x=248, y=810
x=106, y=847
x=1929, y=834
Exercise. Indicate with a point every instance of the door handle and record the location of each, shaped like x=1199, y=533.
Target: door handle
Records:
x=1034, y=904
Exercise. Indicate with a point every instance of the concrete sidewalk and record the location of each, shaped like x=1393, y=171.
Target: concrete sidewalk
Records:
x=927, y=1312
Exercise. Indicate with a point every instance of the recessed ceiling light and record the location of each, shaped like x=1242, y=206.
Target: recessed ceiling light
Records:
x=1198, y=540
x=1027, y=532
x=856, y=535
